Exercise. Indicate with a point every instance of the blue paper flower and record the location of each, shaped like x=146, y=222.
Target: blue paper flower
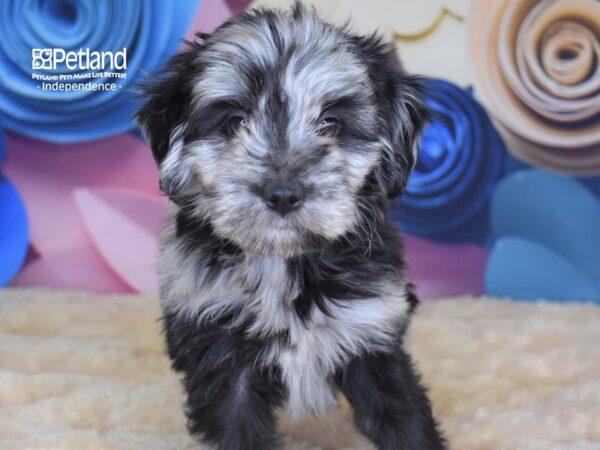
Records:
x=30, y=31
x=14, y=232
x=460, y=162
x=547, y=241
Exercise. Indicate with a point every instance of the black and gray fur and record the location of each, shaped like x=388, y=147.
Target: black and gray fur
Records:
x=281, y=140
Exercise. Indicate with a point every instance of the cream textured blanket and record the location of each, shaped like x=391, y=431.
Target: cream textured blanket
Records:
x=80, y=371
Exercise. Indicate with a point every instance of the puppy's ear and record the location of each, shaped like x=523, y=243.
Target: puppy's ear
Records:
x=402, y=113
x=162, y=118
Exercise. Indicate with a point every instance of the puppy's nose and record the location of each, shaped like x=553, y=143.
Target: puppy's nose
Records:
x=284, y=197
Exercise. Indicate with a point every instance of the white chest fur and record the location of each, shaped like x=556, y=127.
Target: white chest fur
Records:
x=326, y=342
x=261, y=286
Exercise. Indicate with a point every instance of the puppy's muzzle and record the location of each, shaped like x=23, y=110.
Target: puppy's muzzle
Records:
x=284, y=197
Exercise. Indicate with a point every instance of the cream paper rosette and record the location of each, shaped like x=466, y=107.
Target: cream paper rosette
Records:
x=537, y=70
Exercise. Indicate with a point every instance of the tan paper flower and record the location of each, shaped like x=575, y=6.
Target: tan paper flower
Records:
x=537, y=69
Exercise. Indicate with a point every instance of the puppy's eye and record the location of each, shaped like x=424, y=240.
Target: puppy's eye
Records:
x=234, y=123
x=329, y=126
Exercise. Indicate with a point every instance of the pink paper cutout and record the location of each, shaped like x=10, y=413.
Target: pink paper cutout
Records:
x=441, y=270
x=125, y=226
x=237, y=6
x=81, y=268
x=46, y=174
x=209, y=16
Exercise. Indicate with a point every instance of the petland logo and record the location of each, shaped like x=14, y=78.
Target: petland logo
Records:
x=101, y=69
x=84, y=59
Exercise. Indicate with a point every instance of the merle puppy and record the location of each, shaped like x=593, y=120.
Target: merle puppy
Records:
x=281, y=140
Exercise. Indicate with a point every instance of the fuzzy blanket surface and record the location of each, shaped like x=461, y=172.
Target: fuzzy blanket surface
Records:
x=80, y=371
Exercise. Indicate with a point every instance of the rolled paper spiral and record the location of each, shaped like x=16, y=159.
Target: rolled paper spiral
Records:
x=537, y=70
x=460, y=161
x=149, y=30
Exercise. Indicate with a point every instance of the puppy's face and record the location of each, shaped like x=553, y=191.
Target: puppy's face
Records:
x=283, y=131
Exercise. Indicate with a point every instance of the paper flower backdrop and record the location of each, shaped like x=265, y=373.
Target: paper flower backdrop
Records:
x=14, y=237
x=536, y=67
x=95, y=209
x=85, y=200
x=460, y=162
x=149, y=30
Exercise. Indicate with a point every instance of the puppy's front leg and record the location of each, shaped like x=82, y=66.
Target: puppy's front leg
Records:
x=389, y=402
x=233, y=410
x=231, y=401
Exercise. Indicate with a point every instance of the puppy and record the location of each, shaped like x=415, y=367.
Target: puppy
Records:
x=281, y=140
